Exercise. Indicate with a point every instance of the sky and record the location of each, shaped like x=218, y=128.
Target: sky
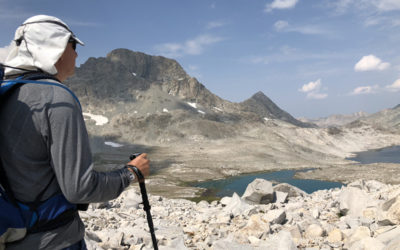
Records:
x=313, y=58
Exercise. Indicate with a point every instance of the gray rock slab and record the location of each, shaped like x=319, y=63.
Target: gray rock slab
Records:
x=231, y=244
x=236, y=206
x=353, y=201
x=281, y=197
x=225, y=201
x=282, y=240
x=260, y=191
x=292, y=191
x=389, y=235
x=368, y=243
x=277, y=216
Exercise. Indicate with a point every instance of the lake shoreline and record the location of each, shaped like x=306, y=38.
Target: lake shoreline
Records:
x=175, y=166
x=226, y=187
x=384, y=172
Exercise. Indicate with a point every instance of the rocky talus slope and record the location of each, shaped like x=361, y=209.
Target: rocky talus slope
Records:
x=362, y=215
x=388, y=119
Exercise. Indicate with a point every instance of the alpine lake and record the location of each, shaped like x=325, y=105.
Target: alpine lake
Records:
x=238, y=184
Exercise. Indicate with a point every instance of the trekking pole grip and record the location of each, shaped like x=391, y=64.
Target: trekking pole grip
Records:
x=135, y=169
x=137, y=172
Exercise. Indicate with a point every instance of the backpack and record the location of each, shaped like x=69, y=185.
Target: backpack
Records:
x=17, y=218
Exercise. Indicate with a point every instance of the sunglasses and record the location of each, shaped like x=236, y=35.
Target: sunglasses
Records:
x=73, y=42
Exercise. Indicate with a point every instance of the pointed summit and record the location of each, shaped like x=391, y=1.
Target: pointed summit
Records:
x=259, y=103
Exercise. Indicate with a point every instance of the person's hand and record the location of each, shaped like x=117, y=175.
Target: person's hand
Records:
x=142, y=163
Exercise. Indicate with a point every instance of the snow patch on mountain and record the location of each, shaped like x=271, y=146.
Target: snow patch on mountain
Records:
x=113, y=144
x=99, y=119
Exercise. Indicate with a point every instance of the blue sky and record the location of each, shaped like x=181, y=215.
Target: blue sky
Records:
x=313, y=58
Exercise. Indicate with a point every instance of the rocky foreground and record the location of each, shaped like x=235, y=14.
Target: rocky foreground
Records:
x=362, y=215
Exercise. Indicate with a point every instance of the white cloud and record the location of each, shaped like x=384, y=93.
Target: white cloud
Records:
x=313, y=90
x=284, y=26
x=369, y=63
x=280, y=25
x=372, y=21
x=311, y=86
x=315, y=95
x=387, y=5
x=341, y=5
x=395, y=87
x=309, y=30
x=380, y=5
x=215, y=24
x=290, y=54
x=194, y=46
x=170, y=49
x=386, y=21
x=362, y=90
x=280, y=4
x=258, y=59
x=373, y=12
x=3, y=53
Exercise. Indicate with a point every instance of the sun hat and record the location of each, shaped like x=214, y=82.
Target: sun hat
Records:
x=38, y=44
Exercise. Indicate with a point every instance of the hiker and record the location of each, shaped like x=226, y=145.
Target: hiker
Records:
x=43, y=139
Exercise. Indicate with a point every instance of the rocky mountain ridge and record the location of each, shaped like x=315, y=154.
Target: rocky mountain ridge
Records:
x=387, y=119
x=131, y=87
x=335, y=120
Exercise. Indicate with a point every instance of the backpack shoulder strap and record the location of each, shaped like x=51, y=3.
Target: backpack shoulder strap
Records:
x=35, y=78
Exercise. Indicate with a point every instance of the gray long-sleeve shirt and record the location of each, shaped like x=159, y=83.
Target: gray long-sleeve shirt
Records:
x=42, y=135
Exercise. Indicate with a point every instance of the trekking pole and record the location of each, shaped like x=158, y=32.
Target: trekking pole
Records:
x=146, y=204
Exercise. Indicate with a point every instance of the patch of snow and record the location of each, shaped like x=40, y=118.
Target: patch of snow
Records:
x=265, y=118
x=165, y=110
x=193, y=104
x=134, y=74
x=113, y=144
x=100, y=120
x=135, y=112
x=217, y=109
x=201, y=112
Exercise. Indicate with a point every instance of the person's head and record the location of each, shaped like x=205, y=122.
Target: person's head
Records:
x=66, y=63
x=43, y=43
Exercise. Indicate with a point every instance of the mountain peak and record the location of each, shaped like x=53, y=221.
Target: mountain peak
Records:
x=261, y=98
x=154, y=68
x=259, y=94
x=265, y=107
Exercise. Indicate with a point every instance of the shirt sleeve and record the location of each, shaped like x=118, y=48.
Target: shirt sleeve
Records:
x=71, y=157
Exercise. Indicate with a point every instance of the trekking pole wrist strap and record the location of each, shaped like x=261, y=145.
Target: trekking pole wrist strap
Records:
x=136, y=171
